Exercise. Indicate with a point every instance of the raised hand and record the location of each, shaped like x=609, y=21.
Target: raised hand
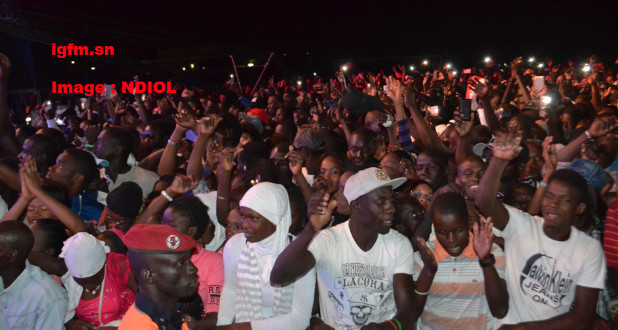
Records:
x=483, y=238
x=380, y=147
x=507, y=146
x=549, y=154
x=480, y=87
x=462, y=127
x=31, y=176
x=213, y=149
x=206, y=126
x=601, y=126
x=26, y=193
x=395, y=89
x=296, y=159
x=320, y=209
x=92, y=133
x=185, y=119
x=429, y=259
x=181, y=185
x=226, y=159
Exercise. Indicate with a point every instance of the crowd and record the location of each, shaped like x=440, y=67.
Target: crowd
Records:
x=435, y=200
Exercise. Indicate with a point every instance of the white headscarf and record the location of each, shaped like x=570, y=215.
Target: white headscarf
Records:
x=272, y=202
x=257, y=259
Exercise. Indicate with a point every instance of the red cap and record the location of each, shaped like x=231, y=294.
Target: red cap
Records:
x=157, y=239
x=260, y=113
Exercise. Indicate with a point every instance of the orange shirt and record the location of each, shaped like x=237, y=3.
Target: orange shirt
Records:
x=135, y=319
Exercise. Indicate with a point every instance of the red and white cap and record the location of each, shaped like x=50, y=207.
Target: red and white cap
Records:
x=145, y=238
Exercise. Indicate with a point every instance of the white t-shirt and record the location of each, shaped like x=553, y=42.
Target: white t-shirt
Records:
x=356, y=286
x=144, y=178
x=541, y=273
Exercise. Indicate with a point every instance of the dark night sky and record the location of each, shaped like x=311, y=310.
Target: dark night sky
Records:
x=460, y=31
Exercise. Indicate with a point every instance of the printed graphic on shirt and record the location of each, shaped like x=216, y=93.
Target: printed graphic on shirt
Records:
x=214, y=294
x=545, y=285
x=364, y=293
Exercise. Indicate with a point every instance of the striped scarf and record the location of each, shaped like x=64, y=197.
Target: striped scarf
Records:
x=257, y=259
x=250, y=283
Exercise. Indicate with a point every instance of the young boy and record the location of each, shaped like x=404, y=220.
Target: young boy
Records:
x=468, y=286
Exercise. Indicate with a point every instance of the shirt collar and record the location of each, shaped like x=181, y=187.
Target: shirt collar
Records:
x=468, y=251
x=170, y=319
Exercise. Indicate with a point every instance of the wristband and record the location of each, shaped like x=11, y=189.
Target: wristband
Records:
x=588, y=135
x=172, y=143
x=166, y=195
x=89, y=146
x=542, y=185
x=396, y=321
x=393, y=324
x=206, y=173
x=421, y=293
x=492, y=261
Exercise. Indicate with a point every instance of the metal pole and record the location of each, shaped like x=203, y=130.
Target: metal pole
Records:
x=261, y=73
x=236, y=73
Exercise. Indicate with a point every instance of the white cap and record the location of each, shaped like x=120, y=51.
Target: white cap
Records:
x=368, y=180
x=84, y=255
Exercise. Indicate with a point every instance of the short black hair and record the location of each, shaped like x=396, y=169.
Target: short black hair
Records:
x=55, y=234
x=123, y=138
x=84, y=164
x=195, y=210
x=16, y=235
x=449, y=203
x=573, y=179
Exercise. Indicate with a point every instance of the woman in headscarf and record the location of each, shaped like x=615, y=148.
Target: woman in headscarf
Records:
x=100, y=285
x=248, y=298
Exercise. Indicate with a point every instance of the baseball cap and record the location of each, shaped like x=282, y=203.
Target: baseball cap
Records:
x=253, y=121
x=591, y=171
x=368, y=180
x=146, y=238
x=260, y=113
x=479, y=149
x=125, y=200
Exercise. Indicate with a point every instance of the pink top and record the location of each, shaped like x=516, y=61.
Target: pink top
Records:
x=210, y=271
x=117, y=297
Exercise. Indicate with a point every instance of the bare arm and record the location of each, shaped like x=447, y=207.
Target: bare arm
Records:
x=179, y=186
x=505, y=96
x=601, y=126
x=524, y=91
x=143, y=113
x=297, y=252
x=549, y=155
x=296, y=165
x=224, y=178
x=205, y=128
x=506, y=148
x=7, y=139
x=167, y=164
x=425, y=279
x=342, y=123
x=32, y=182
x=16, y=211
x=426, y=133
x=463, y=130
